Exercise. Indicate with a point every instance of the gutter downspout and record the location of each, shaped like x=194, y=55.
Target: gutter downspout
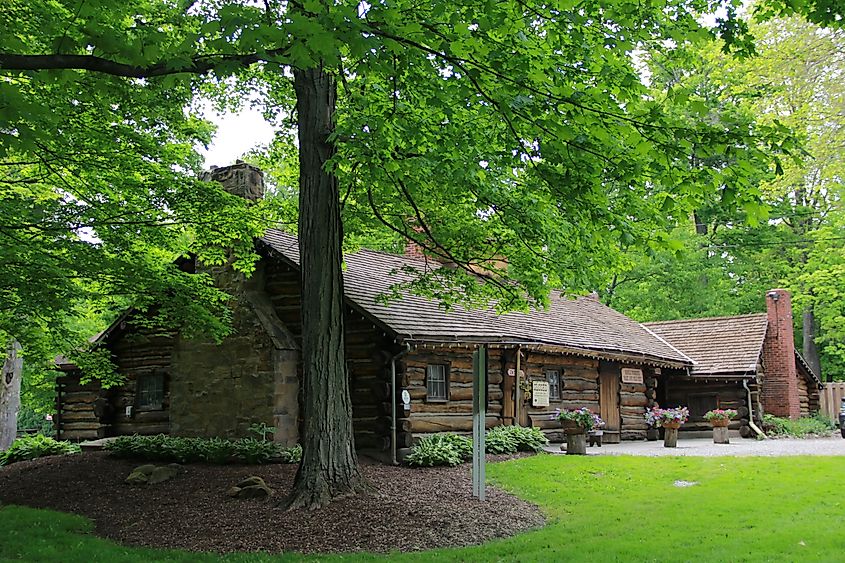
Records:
x=753, y=426
x=393, y=402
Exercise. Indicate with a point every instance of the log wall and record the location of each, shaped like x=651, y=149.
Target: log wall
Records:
x=75, y=417
x=136, y=354
x=701, y=395
x=368, y=350
x=455, y=414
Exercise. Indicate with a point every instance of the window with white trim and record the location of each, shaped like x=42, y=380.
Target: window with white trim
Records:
x=437, y=382
x=553, y=377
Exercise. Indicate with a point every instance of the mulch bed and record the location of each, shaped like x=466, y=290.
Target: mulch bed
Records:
x=407, y=509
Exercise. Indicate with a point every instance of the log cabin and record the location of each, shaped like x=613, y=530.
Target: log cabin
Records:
x=575, y=353
x=748, y=363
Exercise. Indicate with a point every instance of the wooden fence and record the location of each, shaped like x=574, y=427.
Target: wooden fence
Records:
x=831, y=398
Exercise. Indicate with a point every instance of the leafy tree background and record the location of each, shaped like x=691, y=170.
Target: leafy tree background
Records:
x=726, y=263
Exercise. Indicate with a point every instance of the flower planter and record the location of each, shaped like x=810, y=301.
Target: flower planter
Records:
x=720, y=431
x=670, y=436
x=576, y=438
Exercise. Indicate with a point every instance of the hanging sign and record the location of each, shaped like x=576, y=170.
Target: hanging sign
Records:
x=539, y=393
x=632, y=375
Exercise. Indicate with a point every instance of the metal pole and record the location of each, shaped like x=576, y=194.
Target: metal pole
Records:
x=479, y=385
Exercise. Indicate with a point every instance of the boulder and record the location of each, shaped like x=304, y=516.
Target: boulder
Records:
x=251, y=487
x=162, y=474
x=255, y=491
x=251, y=482
x=151, y=474
x=137, y=478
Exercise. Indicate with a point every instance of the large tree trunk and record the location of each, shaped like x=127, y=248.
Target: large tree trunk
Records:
x=809, y=350
x=10, y=394
x=329, y=467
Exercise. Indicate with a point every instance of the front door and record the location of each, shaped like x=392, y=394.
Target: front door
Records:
x=609, y=405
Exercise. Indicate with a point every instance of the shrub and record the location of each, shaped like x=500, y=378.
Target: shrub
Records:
x=501, y=440
x=202, y=450
x=31, y=447
x=437, y=449
x=528, y=438
x=451, y=449
x=803, y=427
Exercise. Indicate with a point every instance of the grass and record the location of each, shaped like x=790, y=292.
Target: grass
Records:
x=599, y=509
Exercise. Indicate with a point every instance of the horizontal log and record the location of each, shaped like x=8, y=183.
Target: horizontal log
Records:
x=371, y=441
x=632, y=412
x=584, y=396
x=79, y=416
x=447, y=423
x=633, y=400
x=79, y=397
x=80, y=426
x=77, y=407
x=465, y=393
x=450, y=407
x=579, y=385
x=563, y=404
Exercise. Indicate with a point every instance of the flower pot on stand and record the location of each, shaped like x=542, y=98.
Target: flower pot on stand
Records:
x=576, y=438
x=670, y=436
x=720, y=431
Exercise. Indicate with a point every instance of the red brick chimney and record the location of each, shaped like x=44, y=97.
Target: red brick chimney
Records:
x=780, y=380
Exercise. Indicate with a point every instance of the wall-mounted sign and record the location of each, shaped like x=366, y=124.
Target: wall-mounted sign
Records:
x=539, y=393
x=406, y=399
x=512, y=372
x=657, y=371
x=632, y=375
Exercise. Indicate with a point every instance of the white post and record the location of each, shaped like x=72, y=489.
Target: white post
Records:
x=479, y=403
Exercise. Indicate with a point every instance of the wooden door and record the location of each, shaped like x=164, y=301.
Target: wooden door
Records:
x=609, y=406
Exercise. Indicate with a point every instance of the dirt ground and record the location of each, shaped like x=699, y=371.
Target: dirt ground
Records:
x=407, y=509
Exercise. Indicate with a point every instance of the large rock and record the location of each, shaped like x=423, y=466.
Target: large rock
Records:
x=137, y=478
x=152, y=475
x=251, y=487
x=251, y=482
x=162, y=474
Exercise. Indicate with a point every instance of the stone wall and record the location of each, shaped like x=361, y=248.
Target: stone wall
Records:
x=250, y=377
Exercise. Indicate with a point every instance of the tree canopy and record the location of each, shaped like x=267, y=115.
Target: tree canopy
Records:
x=480, y=130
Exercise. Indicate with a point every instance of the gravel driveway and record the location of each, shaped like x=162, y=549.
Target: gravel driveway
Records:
x=833, y=445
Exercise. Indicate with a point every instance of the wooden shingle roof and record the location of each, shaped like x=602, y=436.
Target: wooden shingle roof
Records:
x=580, y=324
x=720, y=346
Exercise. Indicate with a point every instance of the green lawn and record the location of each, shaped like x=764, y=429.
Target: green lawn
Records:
x=599, y=509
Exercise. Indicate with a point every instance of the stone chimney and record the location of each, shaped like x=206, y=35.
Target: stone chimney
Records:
x=780, y=380
x=240, y=179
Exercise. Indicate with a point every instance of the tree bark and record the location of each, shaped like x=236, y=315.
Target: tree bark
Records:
x=10, y=394
x=329, y=467
x=809, y=349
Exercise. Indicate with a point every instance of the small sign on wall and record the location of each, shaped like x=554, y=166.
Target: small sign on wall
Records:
x=632, y=375
x=512, y=372
x=539, y=393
